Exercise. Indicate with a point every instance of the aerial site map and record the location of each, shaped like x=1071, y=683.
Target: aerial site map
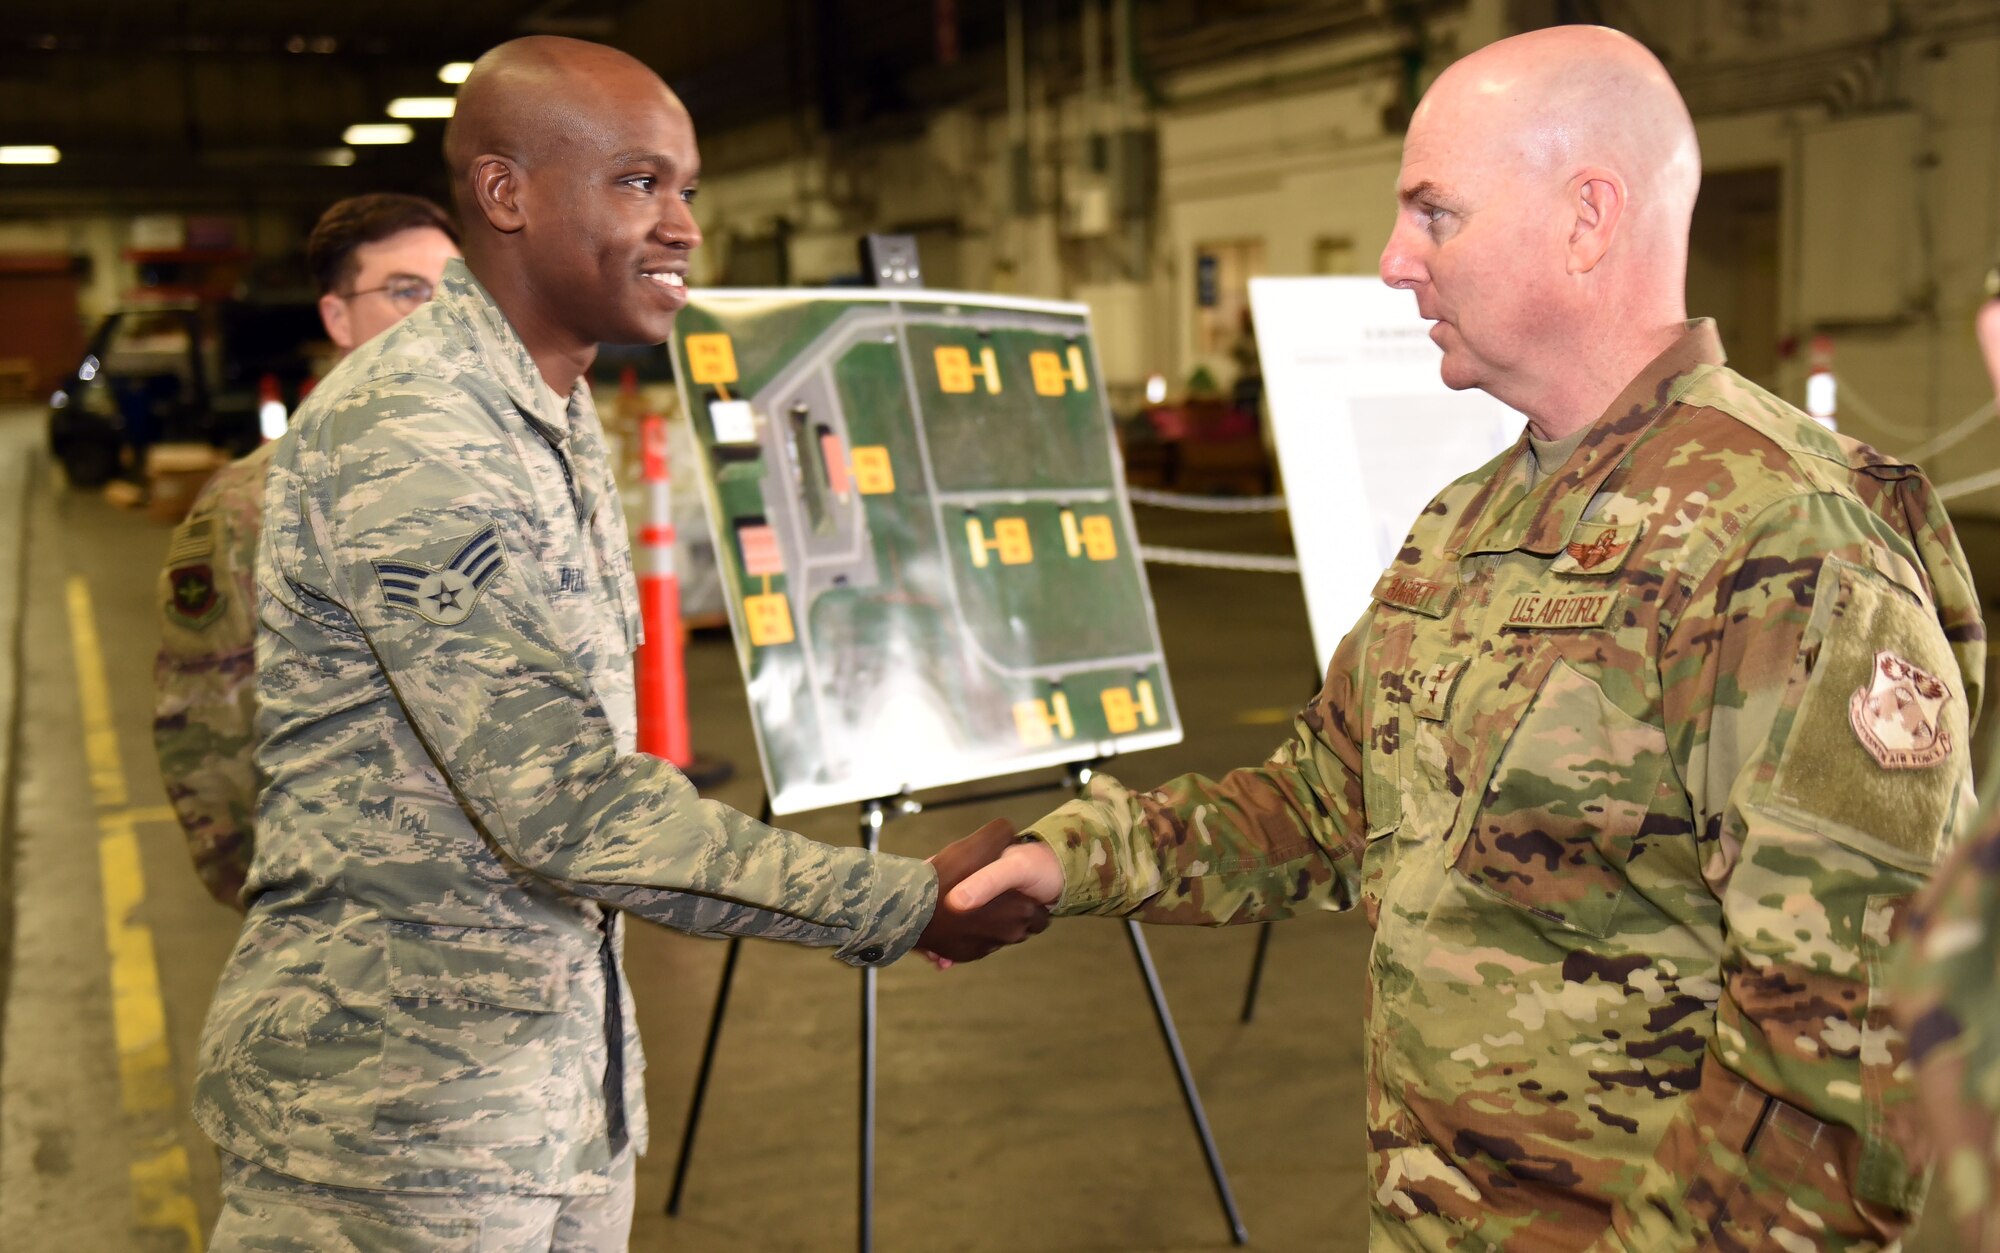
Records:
x=925, y=544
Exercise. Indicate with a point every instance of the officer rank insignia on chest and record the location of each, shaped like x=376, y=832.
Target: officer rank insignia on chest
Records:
x=1897, y=717
x=445, y=596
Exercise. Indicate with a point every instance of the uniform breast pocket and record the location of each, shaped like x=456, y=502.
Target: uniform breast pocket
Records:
x=1563, y=804
x=473, y=1032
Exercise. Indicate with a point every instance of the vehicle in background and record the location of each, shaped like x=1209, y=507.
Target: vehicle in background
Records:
x=179, y=374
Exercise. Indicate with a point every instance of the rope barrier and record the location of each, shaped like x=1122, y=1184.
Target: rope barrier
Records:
x=1967, y=486
x=1206, y=504
x=1218, y=561
x=1854, y=402
x=1971, y=422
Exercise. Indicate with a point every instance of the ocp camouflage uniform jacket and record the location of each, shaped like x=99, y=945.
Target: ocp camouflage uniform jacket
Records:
x=1596, y=765
x=422, y=995
x=205, y=677
x=1949, y=1002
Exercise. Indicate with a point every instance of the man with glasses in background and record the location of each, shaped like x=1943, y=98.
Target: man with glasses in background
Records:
x=375, y=259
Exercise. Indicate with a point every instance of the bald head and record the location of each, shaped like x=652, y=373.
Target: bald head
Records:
x=574, y=168
x=1555, y=103
x=535, y=99
x=1547, y=186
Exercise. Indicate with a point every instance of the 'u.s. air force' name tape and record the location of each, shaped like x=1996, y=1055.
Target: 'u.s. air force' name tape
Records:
x=448, y=595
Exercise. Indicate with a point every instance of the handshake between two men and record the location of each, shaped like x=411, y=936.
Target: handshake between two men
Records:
x=993, y=890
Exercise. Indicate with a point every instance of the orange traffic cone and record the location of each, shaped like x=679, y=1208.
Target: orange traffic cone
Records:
x=662, y=658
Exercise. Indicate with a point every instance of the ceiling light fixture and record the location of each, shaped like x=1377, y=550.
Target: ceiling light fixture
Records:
x=455, y=72
x=334, y=156
x=29, y=154
x=422, y=106
x=377, y=133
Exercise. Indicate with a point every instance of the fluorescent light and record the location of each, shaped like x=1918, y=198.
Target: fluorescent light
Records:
x=334, y=156
x=456, y=72
x=377, y=133
x=29, y=154
x=422, y=106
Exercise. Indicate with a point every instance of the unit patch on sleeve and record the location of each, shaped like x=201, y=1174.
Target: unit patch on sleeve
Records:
x=1896, y=717
x=193, y=599
x=445, y=596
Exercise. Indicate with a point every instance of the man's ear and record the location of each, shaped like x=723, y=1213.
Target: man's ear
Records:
x=496, y=190
x=1598, y=199
x=339, y=327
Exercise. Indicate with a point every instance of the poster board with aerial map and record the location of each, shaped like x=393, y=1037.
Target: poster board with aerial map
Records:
x=923, y=536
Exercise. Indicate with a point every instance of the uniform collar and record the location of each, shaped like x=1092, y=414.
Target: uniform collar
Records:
x=500, y=346
x=1540, y=521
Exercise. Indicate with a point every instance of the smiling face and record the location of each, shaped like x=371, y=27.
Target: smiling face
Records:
x=609, y=218
x=1480, y=242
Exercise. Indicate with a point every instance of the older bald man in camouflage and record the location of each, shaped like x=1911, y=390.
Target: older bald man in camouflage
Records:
x=1653, y=727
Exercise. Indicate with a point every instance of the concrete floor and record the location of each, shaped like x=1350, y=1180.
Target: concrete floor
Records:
x=1026, y=1102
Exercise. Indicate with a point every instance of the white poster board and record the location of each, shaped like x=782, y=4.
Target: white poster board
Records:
x=1367, y=432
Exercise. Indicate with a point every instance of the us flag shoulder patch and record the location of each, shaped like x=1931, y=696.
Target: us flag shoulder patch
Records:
x=445, y=596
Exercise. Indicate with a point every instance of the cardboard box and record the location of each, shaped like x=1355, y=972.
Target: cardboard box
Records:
x=175, y=474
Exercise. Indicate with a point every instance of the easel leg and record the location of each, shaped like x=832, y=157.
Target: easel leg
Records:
x=708, y=1055
x=865, y=1237
x=872, y=818
x=1256, y=972
x=1165, y=1018
x=701, y=1075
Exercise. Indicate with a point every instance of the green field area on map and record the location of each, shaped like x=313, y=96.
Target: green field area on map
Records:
x=923, y=538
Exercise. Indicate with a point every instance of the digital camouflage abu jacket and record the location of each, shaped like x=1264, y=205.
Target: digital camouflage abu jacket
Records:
x=426, y=994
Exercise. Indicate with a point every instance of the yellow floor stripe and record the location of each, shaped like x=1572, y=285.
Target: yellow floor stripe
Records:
x=139, y=815
x=160, y=1190
x=100, y=737
x=162, y=1196
x=138, y=1014
x=1265, y=717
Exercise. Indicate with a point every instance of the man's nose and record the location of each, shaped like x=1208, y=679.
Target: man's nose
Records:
x=678, y=227
x=1399, y=266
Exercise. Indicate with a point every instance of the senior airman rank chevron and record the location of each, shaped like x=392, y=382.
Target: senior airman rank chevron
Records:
x=444, y=596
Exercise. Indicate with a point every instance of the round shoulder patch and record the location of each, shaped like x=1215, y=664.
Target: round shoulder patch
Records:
x=193, y=599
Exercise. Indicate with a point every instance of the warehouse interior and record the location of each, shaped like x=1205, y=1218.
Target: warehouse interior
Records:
x=1142, y=158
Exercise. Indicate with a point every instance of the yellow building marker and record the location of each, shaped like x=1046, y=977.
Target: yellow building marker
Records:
x=1010, y=539
x=873, y=474
x=162, y=1197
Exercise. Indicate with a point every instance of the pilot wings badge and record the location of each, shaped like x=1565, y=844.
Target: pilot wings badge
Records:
x=444, y=596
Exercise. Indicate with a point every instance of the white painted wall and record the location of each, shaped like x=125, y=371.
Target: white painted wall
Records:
x=1888, y=152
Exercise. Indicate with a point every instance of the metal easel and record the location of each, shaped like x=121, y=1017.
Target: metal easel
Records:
x=874, y=815
x=1264, y=933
